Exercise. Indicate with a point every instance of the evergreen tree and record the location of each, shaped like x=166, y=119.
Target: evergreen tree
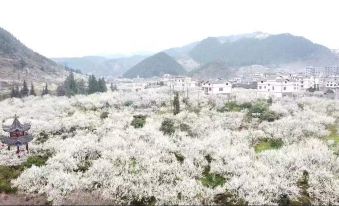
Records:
x=61, y=90
x=102, y=85
x=45, y=90
x=92, y=85
x=176, y=104
x=70, y=85
x=81, y=86
x=32, y=91
x=114, y=87
x=24, y=91
x=15, y=93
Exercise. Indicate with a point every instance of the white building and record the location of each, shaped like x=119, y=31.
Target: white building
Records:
x=278, y=87
x=217, y=87
x=331, y=82
x=180, y=83
x=313, y=71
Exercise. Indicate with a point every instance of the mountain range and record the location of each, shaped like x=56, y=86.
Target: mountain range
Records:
x=213, y=57
x=218, y=57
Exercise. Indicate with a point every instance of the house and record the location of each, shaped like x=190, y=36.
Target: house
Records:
x=278, y=87
x=217, y=87
x=330, y=83
x=181, y=83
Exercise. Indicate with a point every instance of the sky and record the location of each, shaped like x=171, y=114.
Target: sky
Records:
x=73, y=28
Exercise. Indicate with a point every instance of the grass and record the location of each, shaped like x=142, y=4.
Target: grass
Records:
x=209, y=179
x=212, y=180
x=8, y=173
x=268, y=144
x=334, y=134
x=138, y=121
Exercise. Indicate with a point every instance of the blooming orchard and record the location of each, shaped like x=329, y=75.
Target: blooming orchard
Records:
x=210, y=152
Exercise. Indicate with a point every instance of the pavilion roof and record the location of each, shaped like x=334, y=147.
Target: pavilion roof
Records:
x=16, y=126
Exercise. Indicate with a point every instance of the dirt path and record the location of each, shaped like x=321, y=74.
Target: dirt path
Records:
x=21, y=199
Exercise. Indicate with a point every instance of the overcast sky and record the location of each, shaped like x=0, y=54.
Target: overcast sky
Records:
x=61, y=28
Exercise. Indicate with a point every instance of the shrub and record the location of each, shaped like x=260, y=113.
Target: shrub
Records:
x=144, y=201
x=233, y=106
x=269, y=116
x=260, y=110
x=42, y=138
x=167, y=127
x=268, y=144
x=83, y=166
x=186, y=128
x=212, y=180
x=179, y=157
x=104, y=115
x=228, y=198
x=284, y=200
x=270, y=101
x=7, y=173
x=128, y=103
x=138, y=121
x=37, y=160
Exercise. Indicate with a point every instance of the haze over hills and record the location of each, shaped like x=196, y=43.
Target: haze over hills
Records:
x=17, y=62
x=156, y=65
x=218, y=56
x=101, y=66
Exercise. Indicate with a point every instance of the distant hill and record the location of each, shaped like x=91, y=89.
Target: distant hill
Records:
x=156, y=65
x=17, y=62
x=215, y=56
x=221, y=56
x=101, y=66
x=272, y=50
x=212, y=70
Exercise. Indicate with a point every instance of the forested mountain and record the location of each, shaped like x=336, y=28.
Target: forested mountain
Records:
x=156, y=65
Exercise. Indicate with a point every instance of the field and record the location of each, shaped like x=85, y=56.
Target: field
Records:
x=121, y=147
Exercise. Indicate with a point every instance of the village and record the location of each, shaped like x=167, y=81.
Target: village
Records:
x=314, y=81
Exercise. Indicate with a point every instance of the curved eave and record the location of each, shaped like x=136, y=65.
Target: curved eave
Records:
x=20, y=129
x=13, y=141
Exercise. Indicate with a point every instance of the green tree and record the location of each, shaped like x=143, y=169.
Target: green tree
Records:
x=81, y=87
x=92, y=85
x=45, y=90
x=24, y=91
x=176, y=104
x=70, y=85
x=102, y=85
x=32, y=91
x=15, y=93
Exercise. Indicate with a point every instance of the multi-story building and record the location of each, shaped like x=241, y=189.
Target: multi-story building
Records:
x=217, y=87
x=331, y=71
x=332, y=82
x=313, y=71
x=278, y=87
x=181, y=83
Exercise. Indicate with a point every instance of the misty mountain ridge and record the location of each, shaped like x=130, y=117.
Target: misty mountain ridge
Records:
x=211, y=56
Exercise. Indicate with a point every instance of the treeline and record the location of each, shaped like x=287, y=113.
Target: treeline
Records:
x=69, y=87
x=18, y=92
x=72, y=87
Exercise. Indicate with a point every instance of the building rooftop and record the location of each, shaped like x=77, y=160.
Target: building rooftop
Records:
x=16, y=126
